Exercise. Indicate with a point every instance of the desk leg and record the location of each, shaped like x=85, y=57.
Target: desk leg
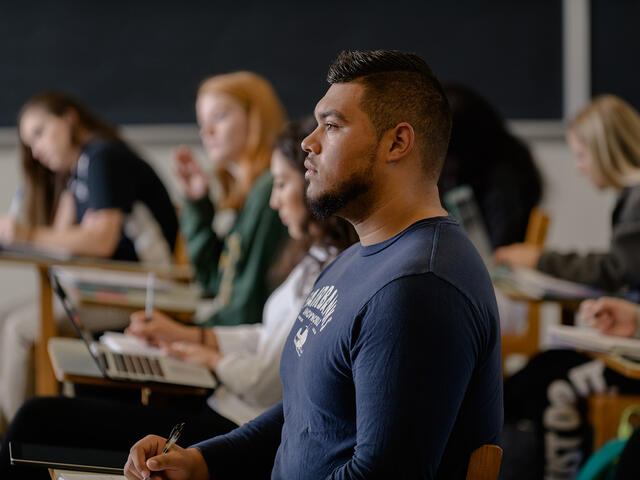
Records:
x=46, y=383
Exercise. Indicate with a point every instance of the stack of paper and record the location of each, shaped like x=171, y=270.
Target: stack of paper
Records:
x=99, y=279
x=68, y=475
x=127, y=289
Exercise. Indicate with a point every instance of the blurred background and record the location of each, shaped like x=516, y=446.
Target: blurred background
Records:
x=138, y=64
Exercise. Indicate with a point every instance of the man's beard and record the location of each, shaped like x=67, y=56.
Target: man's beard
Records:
x=329, y=203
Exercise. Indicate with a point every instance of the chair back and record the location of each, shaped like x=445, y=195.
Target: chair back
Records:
x=537, y=227
x=484, y=463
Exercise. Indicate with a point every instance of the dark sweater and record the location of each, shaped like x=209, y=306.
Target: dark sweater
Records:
x=392, y=369
x=611, y=271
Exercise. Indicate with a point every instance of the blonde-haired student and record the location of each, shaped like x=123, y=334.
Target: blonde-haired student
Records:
x=605, y=140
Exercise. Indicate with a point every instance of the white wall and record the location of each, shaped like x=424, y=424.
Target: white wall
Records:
x=580, y=215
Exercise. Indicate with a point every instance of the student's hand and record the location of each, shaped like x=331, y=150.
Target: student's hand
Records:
x=191, y=178
x=177, y=464
x=12, y=231
x=160, y=328
x=194, y=353
x=612, y=316
x=518, y=255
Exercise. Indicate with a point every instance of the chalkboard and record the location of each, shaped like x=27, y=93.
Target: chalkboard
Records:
x=141, y=61
x=616, y=49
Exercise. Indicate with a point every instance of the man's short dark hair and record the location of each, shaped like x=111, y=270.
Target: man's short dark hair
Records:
x=400, y=87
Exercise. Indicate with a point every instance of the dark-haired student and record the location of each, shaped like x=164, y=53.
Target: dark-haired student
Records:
x=85, y=191
x=245, y=358
x=496, y=165
x=392, y=368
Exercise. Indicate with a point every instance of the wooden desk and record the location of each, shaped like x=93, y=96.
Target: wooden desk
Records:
x=46, y=383
x=528, y=342
x=73, y=363
x=149, y=392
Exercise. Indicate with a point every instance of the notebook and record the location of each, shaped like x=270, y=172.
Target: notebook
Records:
x=535, y=284
x=140, y=367
x=586, y=338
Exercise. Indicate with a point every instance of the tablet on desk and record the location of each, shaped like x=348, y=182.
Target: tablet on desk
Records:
x=22, y=250
x=68, y=458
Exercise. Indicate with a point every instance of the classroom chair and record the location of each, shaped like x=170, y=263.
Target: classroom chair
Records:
x=180, y=254
x=484, y=463
x=528, y=342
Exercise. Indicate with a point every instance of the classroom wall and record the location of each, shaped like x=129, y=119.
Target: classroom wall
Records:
x=580, y=215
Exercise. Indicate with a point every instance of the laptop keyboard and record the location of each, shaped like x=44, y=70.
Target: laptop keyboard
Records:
x=137, y=365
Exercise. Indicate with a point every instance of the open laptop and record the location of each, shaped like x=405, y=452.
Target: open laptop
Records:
x=141, y=367
x=463, y=206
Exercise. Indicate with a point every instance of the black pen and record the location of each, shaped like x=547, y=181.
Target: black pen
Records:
x=171, y=441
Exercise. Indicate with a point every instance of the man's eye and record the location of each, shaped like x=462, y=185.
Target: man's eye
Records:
x=331, y=126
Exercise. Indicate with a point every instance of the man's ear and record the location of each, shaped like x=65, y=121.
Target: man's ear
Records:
x=401, y=140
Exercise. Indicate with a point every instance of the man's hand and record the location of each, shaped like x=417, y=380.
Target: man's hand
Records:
x=178, y=464
x=160, y=328
x=612, y=316
x=518, y=255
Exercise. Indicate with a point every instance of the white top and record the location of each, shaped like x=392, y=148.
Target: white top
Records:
x=249, y=371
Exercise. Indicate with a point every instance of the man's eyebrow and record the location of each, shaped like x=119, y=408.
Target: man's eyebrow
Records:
x=331, y=113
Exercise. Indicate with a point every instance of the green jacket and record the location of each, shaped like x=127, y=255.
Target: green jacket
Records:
x=234, y=269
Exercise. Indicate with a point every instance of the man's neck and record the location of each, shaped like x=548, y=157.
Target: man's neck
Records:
x=392, y=215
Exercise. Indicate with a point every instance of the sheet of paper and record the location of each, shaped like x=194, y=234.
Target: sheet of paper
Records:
x=67, y=475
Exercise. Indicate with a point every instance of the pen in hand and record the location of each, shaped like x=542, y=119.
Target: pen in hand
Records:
x=148, y=306
x=171, y=441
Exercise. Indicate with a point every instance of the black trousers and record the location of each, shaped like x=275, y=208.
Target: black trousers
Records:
x=629, y=465
x=103, y=424
x=550, y=394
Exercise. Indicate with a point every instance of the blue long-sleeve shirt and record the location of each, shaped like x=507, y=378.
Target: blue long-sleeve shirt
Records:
x=392, y=369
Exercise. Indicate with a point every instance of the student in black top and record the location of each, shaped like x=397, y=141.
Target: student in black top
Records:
x=86, y=192
x=496, y=165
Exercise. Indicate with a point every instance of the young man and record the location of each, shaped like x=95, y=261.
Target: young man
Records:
x=392, y=369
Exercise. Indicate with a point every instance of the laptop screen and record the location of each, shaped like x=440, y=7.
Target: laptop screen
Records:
x=72, y=313
x=462, y=205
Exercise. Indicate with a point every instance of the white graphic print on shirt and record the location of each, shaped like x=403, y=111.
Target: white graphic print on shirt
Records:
x=316, y=313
